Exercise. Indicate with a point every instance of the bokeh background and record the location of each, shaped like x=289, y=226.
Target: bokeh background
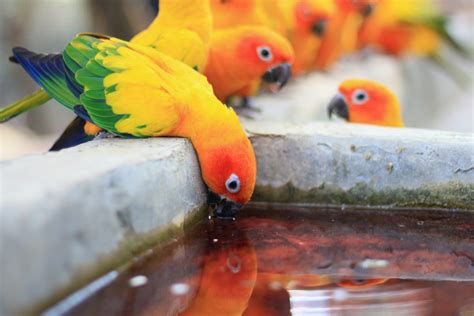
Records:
x=430, y=97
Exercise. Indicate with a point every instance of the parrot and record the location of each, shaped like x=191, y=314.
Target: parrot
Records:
x=413, y=28
x=233, y=13
x=417, y=25
x=132, y=90
x=342, y=31
x=367, y=102
x=308, y=24
x=182, y=30
x=395, y=28
x=302, y=22
x=240, y=57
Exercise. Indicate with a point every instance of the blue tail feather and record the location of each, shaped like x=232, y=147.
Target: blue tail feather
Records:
x=72, y=136
x=50, y=73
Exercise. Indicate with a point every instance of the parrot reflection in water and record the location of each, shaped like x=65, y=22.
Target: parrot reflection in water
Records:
x=232, y=283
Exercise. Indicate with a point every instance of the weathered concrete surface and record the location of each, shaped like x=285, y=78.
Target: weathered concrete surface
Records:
x=70, y=216
x=363, y=165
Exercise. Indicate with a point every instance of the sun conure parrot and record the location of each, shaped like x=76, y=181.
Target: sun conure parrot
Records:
x=302, y=22
x=240, y=58
x=342, y=31
x=181, y=30
x=398, y=27
x=306, y=22
x=412, y=28
x=132, y=90
x=233, y=13
x=367, y=102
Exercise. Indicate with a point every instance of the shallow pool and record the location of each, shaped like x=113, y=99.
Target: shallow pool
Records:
x=276, y=260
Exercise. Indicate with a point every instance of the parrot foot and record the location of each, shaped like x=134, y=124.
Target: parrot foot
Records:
x=246, y=108
x=104, y=135
x=244, y=113
x=248, y=104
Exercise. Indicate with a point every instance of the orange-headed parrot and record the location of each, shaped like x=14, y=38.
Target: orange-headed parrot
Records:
x=132, y=90
x=240, y=58
x=368, y=102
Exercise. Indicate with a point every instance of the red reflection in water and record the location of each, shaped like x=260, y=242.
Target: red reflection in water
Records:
x=338, y=263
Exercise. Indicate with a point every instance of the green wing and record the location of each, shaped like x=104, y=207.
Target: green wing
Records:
x=126, y=88
x=82, y=58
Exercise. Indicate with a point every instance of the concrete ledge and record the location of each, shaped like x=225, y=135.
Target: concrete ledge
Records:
x=362, y=165
x=68, y=217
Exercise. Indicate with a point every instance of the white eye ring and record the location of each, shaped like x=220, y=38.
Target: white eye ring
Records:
x=265, y=53
x=232, y=183
x=359, y=97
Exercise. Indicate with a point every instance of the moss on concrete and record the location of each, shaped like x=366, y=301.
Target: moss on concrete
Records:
x=133, y=246
x=452, y=195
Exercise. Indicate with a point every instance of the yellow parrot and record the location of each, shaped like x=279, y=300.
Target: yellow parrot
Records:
x=181, y=30
x=132, y=90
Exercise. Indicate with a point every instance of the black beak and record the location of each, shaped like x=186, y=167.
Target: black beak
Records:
x=278, y=76
x=338, y=105
x=221, y=207
x=367, y=10
x=319, y=28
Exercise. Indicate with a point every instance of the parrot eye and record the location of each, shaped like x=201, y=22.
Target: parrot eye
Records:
x=359, y=97
x=232, y=183
x=265, y=53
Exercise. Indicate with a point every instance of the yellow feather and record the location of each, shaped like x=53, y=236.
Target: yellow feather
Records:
x=182, y=30
x=163, y=96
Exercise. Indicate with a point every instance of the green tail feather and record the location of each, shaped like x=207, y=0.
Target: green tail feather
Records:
x=27, y=103
x=440, y=24
x=461, y=78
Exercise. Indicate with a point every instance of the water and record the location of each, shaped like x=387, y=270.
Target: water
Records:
x=313, y=262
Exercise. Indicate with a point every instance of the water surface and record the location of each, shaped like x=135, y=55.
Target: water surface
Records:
x=274, y=260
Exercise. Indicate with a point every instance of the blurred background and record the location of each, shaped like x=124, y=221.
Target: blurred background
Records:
x=430, y=97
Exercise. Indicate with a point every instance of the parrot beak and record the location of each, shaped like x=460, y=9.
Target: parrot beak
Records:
x=339, y=106
x=367, y=10
x=319, y=27
x=278, y=76
x=222, y=207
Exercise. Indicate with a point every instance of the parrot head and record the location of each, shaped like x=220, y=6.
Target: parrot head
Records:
x=368, y=102
x=228, y=164
x=363, y=7
x=313, y=15
x=262, y=53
